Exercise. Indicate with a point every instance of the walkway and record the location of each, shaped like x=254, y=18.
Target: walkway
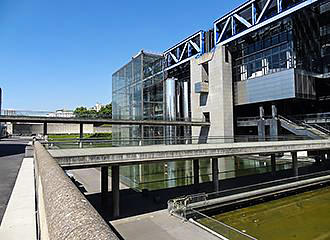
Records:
x=94, y=157
x=161, y=226
x=19, y=221
x=11, y=156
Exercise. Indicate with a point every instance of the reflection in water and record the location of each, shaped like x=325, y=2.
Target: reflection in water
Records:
x=179, y=173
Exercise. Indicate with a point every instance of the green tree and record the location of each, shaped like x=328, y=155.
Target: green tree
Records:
x=83, y=112
x=106, y=111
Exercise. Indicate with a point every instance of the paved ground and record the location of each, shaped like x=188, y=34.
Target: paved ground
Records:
x=11, y=156
x=161, y=226
x=19, y=220
x=90, y=178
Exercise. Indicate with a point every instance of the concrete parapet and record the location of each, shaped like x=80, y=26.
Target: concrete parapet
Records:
x=63, y=211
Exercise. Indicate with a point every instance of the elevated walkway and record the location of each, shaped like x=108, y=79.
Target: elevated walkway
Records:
x=80, y=158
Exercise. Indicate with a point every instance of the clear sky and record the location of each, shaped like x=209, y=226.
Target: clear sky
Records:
x=61, y=53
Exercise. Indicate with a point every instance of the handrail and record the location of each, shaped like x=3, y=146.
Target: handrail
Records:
x=63, y=212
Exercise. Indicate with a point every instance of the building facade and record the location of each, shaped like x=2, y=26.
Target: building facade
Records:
x=264, y=58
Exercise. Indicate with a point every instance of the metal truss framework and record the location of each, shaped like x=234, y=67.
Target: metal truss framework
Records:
x=184, y=50
x=253, y=15
x=248, y=17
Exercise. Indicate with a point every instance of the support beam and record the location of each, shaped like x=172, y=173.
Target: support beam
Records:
x=273, y=131
x=45, y=129
x=196, y=171
x=215, y=174
x=295, y=163
x=115, y=190
x=273, y=164
x=104, y=183
x=261, y=124
x=81, y=134
x=81, y=130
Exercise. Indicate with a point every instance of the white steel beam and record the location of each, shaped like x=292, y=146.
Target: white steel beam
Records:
x=242, y=20
x=174, y=57
x=195, y=45
x=223, y=30
x=270, y=20
x=263, y=11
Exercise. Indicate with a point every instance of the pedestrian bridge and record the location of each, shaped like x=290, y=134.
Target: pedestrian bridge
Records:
x=96, y=157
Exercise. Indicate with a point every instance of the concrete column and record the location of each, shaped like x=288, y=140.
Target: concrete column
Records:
x=81, y=130
x=261, y=124
x=104, y=182
x=273, y=164
x=45, y=129
x=81, y=134
x=261, y=130
x=215, y=174
x=273, y=130
x=295, y=163
x=115, y=190
x=196, y=170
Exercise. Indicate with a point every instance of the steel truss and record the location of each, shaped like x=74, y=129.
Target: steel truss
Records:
x=253, y=15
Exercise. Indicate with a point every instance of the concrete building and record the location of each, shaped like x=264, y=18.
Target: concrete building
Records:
x=62, y=113
x=266, y=59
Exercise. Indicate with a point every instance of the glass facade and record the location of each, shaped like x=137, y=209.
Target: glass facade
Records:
x=264, y=52
x=130, y=98
x=300, y=41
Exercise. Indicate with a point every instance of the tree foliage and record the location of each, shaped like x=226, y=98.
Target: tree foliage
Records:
x=83, y=112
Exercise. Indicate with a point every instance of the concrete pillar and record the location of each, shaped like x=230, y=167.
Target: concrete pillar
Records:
x=115, y=190
x=261, y=130
x=261, y=124
x=273, y=164
x=196, y=170
x=215, y=174
x=81, y=130
x=295, y=163
x=273, y=130
x=81, y=134
x=45, y=129
x=104, y=182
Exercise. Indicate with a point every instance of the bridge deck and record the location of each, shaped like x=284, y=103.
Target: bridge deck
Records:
x=94, y=157
x=39, y=119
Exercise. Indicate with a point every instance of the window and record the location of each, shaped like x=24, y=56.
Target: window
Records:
x=206, y=116
x=205, y=72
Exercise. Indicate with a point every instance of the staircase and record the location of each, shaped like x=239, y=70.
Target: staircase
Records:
x=300, y=128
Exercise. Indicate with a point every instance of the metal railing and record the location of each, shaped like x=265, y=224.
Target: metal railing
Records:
x=63, y=212
x=216, y=227
x=105, y=142
x=96, y=115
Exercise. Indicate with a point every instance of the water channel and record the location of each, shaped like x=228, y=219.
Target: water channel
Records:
x=304, y=216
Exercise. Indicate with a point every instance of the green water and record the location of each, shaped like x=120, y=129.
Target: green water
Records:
x=304, y=216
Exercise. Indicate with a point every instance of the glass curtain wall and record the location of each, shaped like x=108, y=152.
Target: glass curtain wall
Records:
x=153, y=104
x=266, y=51
x=127, y=98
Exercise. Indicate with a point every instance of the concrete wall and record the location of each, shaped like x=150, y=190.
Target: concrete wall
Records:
x=219, y=100
x=54, y=128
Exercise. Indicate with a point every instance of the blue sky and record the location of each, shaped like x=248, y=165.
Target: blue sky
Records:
x=61, y=53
